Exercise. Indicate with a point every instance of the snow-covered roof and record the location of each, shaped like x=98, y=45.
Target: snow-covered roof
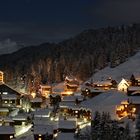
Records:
x=41, y=121
x=92, y=90
x=67, y=104
x=124, y=81
x=37, y=99
x=67, y=124
x=9, y=96
x=134, y=99
x=42, y=113
x=107, y=82
x=6, y=119
x=70, y=118
x=72, y=98
x=72, y=85
x=133, y=88
x=65, y=136
x=20, y=118
x=136, y=93
x=4, y=110
x=105, y=102
x=7, y=130
x=43, y=129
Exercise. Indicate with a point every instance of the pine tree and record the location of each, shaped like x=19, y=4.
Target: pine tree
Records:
x=137, y=135
x=95, y=126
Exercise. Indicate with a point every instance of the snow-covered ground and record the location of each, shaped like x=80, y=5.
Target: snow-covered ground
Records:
x=124, y=70
x=106, y=102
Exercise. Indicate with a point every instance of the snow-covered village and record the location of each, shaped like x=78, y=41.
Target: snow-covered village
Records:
x=69, y=70
x=106, y=104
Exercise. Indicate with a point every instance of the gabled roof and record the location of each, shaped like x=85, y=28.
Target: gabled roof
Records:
x=9, y=96
x=134, y=88
x=72, y=98
x=66, y=124
x=107, y=82
x=65, y=136
x=4, y=110
x=42, y=113
x=7, y=130
x=6, y=88
x=43, y=129
x=123, y=81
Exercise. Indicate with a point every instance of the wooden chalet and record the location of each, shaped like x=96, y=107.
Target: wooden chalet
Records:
x=105, y=84
x=123, y=85
x=8, y=96
x=128, y=108
x=75, y=111
x=71, y=84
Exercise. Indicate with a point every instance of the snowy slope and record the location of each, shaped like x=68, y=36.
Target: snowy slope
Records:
x=106, y=102
x=124, y=70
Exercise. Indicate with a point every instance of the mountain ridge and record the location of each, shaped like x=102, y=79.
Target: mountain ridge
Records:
x=79, y=56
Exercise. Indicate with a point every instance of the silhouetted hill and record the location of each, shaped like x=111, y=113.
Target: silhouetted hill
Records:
x=80, y=56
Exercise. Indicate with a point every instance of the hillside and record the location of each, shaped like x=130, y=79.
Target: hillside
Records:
x=124, y=70
x=80, y=56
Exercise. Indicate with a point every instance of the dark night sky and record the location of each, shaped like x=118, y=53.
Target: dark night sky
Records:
x=37, y=21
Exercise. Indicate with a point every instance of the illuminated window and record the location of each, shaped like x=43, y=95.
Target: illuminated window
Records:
x=39, y=138
x=40, y=135
x=76, y=111
x=5, y=102
x=11, y=137
x=5, y=93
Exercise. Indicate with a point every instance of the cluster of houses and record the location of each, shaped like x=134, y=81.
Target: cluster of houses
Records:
x=130, y=86
x=18, y=110
x=50, y=114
